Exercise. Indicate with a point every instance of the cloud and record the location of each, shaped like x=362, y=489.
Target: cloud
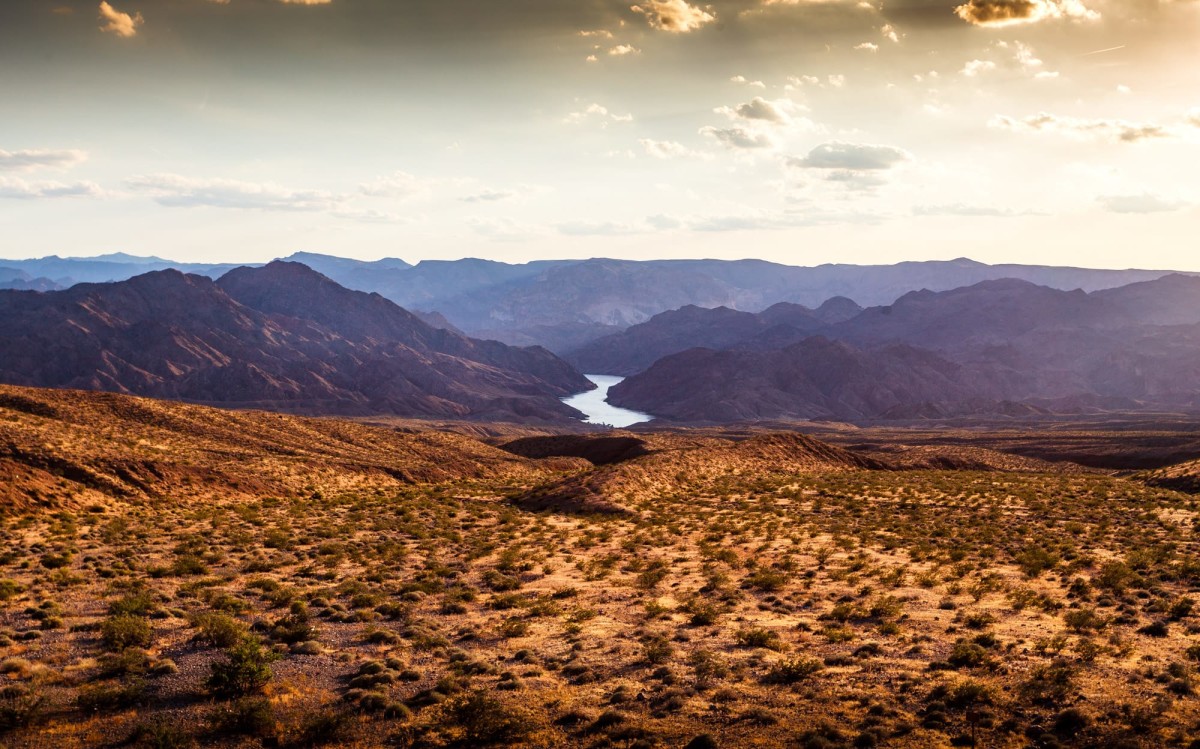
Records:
x=306, y=2
x=37, y=158
x=175, y=191
x=676, y=16
x=669, y=149
x=489, y=196
x=961, y=209
x=395, y=185
x=599, y=229
x=596, y=111
x=747, y=82
x=837, y=155
x=505, y=229
x=623, y=49
x=1012, y=12
x=739, y=138
x=867, y=47
x=116, y=22
x=12, y=188
x=1143, y=203
x=1084, y=129
x=762, y=110
x=975, y=68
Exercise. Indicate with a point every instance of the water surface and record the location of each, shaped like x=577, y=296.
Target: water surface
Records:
x=598, y=410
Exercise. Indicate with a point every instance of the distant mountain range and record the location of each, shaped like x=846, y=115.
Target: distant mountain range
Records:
x=566, y=304
x=1005, y=347
x=281, y=337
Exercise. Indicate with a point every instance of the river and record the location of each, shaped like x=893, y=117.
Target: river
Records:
x=598, y=410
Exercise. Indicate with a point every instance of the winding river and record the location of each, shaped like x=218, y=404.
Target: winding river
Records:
x=600, y=411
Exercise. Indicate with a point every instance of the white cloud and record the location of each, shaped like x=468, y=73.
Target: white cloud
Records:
x=851, y=156
x=867, y=47
x=596, y=112
x=961, y=209
x=975, y=68
x=669, y=149
x=395, y=185
x=739, y=137
x=505, y=229
x=676, y=16
x=12, y=188
x=175, y=191
x=116, y=22
x=623, y=49
x=1085, y=129
x=758, y=109
x=37, y=158
x=1143, y=203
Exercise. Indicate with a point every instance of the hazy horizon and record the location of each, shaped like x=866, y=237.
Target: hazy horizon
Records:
x=802, y=132
x=115, y=256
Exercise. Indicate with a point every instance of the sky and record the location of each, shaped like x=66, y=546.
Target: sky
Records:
x=1061, y=132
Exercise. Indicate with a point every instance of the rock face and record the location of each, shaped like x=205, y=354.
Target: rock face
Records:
x=999, y=348
x=282, y=337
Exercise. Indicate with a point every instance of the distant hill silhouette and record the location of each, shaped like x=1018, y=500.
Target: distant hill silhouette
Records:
x=282, y=337
x=1004, y=347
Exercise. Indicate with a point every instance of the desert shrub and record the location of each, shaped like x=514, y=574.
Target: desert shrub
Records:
x=245, y=670
x=793, y=670
x=129, y=662
x=140, y=603
x=1085, y=620
x=766, y=580
x=1035, y=560
x=159, y=735
x=20, y=707
x=658, y=650
x=323, y=728
x=758, y=637
x=295, y=627
x=104, y=698
x=703, y=613
x=218, y=630
x=487, y=721
x=9, y=589
x=125, y=631
x=249, y=716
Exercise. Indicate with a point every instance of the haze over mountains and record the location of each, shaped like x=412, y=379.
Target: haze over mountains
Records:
x=1003, y=347
x=281, y=337
x=700, y=341
x=565, y=304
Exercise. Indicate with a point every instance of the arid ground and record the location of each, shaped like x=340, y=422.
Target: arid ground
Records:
x=177, y=576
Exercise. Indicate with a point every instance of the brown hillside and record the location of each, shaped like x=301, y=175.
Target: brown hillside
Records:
x=678, y=464
x=61, y=447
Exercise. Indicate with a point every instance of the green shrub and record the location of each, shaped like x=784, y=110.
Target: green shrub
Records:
x=125, y=631
x=245, y=670
x=793, y=670
x=486, y=721
x=20, y=707
x=218, y=630
x=249, y=716
x=758, y=637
